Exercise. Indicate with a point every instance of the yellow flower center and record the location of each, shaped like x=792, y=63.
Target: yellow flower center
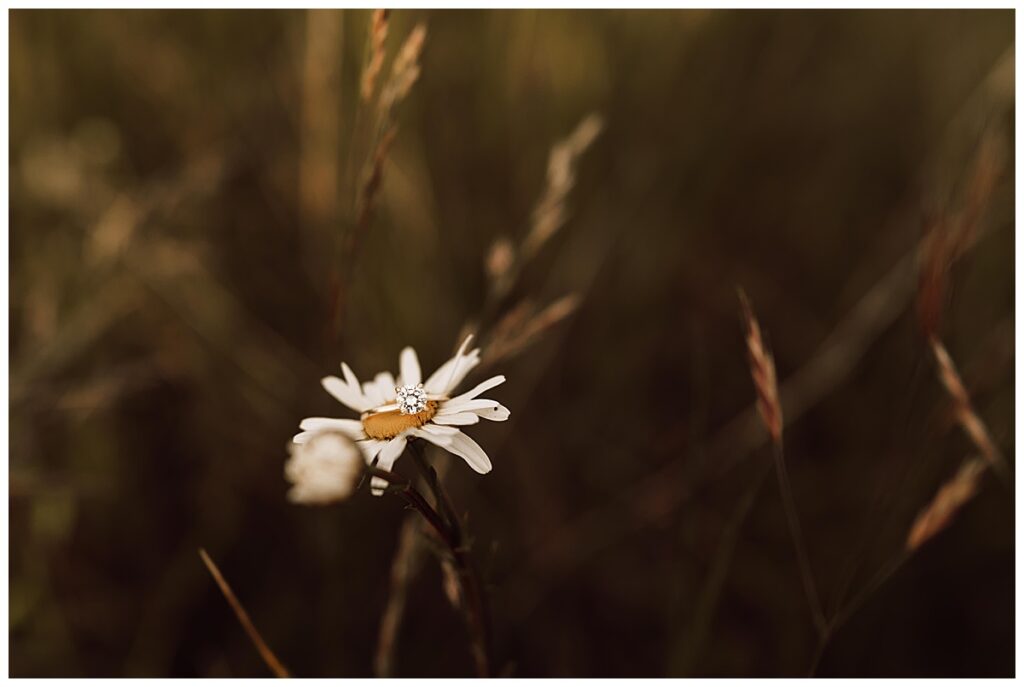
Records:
x=390, y=424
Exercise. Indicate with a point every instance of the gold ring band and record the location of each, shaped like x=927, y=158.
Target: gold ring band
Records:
x=392, y=407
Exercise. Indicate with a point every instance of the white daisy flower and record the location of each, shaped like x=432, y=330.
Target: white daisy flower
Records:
x=324, y=469
x=393, y=411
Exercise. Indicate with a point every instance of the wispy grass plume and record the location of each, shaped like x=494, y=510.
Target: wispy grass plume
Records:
x=551, y=212
x=963, y=410
x=375, y=58
x=947, y=502
x=762, y=371
x=523, y=325
x=952, y=232
x=405, y=70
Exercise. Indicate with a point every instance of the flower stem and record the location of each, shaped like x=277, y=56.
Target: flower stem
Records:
x=444, y=503
x=449, y=530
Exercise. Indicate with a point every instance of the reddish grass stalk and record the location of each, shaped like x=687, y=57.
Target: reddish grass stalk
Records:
x=276, y=667
x=953, y=495
x=762, y=371
x=375, y=59
x=405, y=70
x=953, y=232
x=963, y=410
x=947, y=502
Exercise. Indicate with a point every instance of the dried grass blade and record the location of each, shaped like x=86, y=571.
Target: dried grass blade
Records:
x=276, y=667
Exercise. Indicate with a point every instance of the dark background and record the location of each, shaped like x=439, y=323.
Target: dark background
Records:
x=180, y=182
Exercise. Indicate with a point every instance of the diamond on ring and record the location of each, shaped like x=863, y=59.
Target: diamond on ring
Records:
x=411, y=399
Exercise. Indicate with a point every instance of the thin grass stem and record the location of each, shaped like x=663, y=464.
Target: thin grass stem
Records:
x=268, y=656
x=793, y=521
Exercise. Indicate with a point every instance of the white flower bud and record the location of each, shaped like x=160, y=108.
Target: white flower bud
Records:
x=324, y=469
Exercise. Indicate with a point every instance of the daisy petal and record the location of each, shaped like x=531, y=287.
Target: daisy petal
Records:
x=454, y=370
x=372, y=393
x=451, y=407
x=385, y=461
x=457, y=419
x=386, y=385
x=497, y=414
x=439, y=430
x=435, y=383
x=370, y=448
x=469, y=361
x=345, y=394
x=382, y=389
x=480, y=388
x=456, y=363
x=350, y=376
x=409, y=366
x=463, y=446
x=350, y=428
x=441, y=440
x=391, y=451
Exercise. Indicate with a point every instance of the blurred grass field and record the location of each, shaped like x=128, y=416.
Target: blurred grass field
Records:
x=181, y=187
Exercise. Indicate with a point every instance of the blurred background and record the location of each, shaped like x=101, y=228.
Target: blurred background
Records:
x=198, y=235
